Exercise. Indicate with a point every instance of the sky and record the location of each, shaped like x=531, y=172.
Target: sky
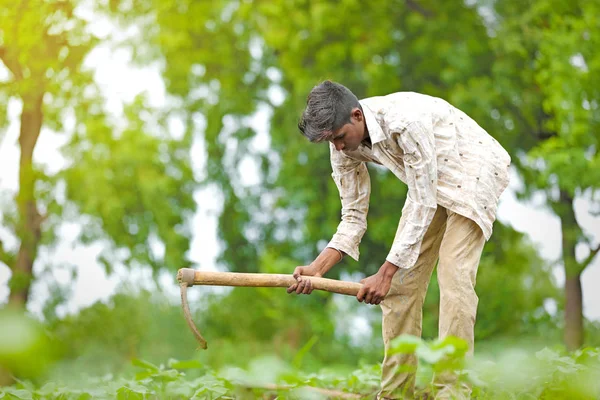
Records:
x=121, y=82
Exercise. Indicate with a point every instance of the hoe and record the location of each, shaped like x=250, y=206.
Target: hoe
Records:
x=189, y=277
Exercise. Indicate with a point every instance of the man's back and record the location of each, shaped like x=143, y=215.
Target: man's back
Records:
x=471, y=166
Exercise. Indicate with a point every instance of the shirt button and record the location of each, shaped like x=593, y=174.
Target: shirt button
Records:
x=485, y=207
x=477, y=178
x=461, y=154
x=445, y=159
x=495, y=173
x=459, y=186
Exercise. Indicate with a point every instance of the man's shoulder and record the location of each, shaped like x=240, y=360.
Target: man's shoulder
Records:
x=406, y=100
x=396, y=95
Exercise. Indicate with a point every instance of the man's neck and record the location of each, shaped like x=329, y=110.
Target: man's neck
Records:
x=367, y=142
x=367, y=139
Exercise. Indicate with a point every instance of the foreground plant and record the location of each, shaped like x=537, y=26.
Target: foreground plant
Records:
x=547, y=374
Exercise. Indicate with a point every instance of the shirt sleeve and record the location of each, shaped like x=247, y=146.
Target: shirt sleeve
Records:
x=354, y=185
x=418, y=144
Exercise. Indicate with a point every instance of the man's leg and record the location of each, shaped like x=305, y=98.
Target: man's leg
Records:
x=460, y=253
x=402, y=312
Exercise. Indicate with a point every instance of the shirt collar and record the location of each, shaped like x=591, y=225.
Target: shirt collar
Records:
x=375, y=132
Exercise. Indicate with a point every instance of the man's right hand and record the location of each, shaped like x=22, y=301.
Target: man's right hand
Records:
x=303, y=286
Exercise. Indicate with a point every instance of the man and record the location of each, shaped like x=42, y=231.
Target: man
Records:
x=455, y=172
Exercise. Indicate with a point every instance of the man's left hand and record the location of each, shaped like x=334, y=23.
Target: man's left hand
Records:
x=375, y=288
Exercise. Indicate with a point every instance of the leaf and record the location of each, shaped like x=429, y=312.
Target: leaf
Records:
x=432, y=356
x=168, y=375
x=126, y=393
x=405, y=344
x=210, y=386
x=305, y=349
x=456, y=344
x=187, y=364
x=19, y=393
x=144, y=364
x=140, y=376
x=547, y=355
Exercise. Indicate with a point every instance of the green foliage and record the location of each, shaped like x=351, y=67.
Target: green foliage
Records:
x=546, y=375
x=26, y=350
x=103, y=338
x=135, y=185
x=128, y=183
x=542, y=94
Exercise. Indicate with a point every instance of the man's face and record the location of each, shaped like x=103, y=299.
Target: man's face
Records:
x=349, y=136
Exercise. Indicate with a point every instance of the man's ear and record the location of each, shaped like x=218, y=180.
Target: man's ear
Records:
x=357, y=114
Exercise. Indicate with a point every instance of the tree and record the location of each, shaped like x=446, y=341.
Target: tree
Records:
x=127, y=184
x=543, y=91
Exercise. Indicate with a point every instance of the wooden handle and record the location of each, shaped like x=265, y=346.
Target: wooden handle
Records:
x=268, y=280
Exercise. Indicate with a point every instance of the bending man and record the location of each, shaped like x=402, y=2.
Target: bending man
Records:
x=455, y=173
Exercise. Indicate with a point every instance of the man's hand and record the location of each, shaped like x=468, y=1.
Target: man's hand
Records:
x=376, y=287
x=303, y=286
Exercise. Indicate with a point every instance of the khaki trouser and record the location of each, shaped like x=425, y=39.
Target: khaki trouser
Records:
x=458, y=242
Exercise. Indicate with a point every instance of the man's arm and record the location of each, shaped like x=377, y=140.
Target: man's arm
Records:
x=352, y=180
x=418, y=144
x=354, y=185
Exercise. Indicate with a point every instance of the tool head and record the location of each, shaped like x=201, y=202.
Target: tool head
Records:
x=185, y=276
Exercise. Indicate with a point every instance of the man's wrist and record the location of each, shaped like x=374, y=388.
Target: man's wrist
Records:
x=327, y=259
x=317, y=268
x=388, y=269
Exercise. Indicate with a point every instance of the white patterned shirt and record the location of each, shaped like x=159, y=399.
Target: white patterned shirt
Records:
x=440, y=153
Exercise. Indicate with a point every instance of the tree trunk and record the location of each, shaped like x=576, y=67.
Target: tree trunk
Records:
x=573, y=335
x=573, y=313
x=29, y=225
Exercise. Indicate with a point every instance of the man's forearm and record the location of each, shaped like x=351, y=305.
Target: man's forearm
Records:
x=327, y=259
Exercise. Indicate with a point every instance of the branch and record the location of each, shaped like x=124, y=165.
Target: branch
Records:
x=583, y=265
x=413, y=5
x=516, y=112
x=12, y=67
x=6, y=257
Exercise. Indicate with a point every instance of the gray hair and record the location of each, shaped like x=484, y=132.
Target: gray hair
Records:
x=328, y=107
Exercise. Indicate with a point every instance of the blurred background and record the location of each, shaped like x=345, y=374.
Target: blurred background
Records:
x=138, y=137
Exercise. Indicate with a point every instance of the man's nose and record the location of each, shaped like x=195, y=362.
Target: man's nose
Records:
x=339, y=146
